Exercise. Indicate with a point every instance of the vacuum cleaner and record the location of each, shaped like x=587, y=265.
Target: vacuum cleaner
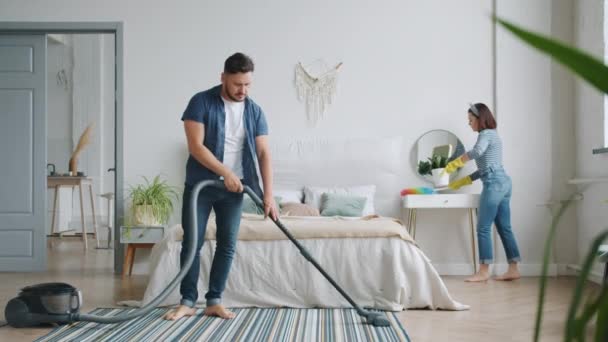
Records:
x=59, y=303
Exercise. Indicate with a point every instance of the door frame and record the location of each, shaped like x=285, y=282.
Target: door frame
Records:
x=116, y=28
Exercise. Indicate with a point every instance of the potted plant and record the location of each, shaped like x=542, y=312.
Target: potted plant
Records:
x=152, y=202
x=434, y=167
x=438, y=164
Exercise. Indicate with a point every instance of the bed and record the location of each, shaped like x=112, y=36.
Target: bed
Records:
x=372, y=257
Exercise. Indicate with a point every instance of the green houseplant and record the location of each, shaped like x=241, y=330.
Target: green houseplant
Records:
x=596, y=307
x=438, y=162
x=151, y=202
x=435, y=162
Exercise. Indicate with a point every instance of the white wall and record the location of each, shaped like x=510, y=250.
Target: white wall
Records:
x=59, y=127
x=590, y=111
x=524, y=116
x=563, y=140
x=59, y=103
x=409, y=67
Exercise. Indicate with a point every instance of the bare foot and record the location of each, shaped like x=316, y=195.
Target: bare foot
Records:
x=479, y=276
x=509, y=275
x=179, y=312
x=220, y=311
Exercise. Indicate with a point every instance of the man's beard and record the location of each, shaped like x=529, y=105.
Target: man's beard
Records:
x=231, y=97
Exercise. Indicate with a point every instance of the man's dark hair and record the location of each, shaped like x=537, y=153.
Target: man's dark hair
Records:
x=239, y=62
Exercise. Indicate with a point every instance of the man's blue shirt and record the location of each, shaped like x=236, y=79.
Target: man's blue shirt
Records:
x=207, y=108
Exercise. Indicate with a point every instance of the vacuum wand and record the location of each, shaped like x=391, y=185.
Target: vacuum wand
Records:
x=374, y=318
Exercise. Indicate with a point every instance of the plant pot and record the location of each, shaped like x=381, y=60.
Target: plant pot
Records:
x=144, y=216
x=440, y=180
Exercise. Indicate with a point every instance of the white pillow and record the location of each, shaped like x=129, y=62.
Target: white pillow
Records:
x=312, y=195
x=288, y=196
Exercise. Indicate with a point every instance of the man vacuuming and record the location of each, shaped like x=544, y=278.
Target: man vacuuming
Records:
x=226, y=132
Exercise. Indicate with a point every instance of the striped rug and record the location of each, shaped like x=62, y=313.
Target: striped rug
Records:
x=272, y=324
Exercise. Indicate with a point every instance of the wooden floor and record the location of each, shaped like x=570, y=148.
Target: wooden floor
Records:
x=500, y=311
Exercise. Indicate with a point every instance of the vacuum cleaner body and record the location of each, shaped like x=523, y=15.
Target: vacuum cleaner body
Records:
x=42, y=304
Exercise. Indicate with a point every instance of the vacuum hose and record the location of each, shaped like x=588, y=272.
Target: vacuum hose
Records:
x=374, y=318
x=178, y=278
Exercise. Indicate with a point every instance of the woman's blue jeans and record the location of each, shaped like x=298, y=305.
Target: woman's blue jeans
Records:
x=494, y=207
x=227, y=207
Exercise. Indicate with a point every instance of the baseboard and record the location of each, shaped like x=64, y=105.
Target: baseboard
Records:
x=594, y=275
x=526, y=270
x=566, y=270
x=454, y=269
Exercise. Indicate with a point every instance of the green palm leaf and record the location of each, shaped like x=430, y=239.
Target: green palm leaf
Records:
x=583, y=64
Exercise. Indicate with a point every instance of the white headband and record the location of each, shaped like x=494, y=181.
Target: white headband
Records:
x=473, y=109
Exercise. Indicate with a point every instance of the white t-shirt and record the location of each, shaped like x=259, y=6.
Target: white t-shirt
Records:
x=235, y=136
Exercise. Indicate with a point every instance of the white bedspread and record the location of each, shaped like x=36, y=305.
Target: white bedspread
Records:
x=386, y=273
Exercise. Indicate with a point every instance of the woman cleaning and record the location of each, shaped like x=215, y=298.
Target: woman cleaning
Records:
x=496, y=194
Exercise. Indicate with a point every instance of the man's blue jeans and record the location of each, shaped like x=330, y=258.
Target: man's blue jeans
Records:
x=227, y=207
x=494, y=207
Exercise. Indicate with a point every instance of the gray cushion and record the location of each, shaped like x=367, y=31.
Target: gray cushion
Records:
x=342, y=205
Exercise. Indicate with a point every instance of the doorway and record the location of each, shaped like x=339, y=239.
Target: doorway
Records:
x=80, y=98
x=74, y=100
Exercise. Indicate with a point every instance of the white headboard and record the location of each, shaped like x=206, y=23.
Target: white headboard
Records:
x=345, y=162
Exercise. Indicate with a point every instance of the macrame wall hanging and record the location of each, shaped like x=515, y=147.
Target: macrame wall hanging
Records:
x=316, y=86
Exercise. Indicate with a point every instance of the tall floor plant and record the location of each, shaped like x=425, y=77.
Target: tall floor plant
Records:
x=596, y=73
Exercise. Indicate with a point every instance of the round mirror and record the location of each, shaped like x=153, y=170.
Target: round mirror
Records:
x=433, y=150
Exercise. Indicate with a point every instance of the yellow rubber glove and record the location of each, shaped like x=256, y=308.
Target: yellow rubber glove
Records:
x=457, y=184
x=454, y=165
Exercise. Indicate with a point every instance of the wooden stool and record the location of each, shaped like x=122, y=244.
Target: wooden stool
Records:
x=130, y=256
x=55, y=182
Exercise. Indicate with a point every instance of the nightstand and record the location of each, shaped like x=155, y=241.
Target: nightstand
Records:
x=138, y=237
